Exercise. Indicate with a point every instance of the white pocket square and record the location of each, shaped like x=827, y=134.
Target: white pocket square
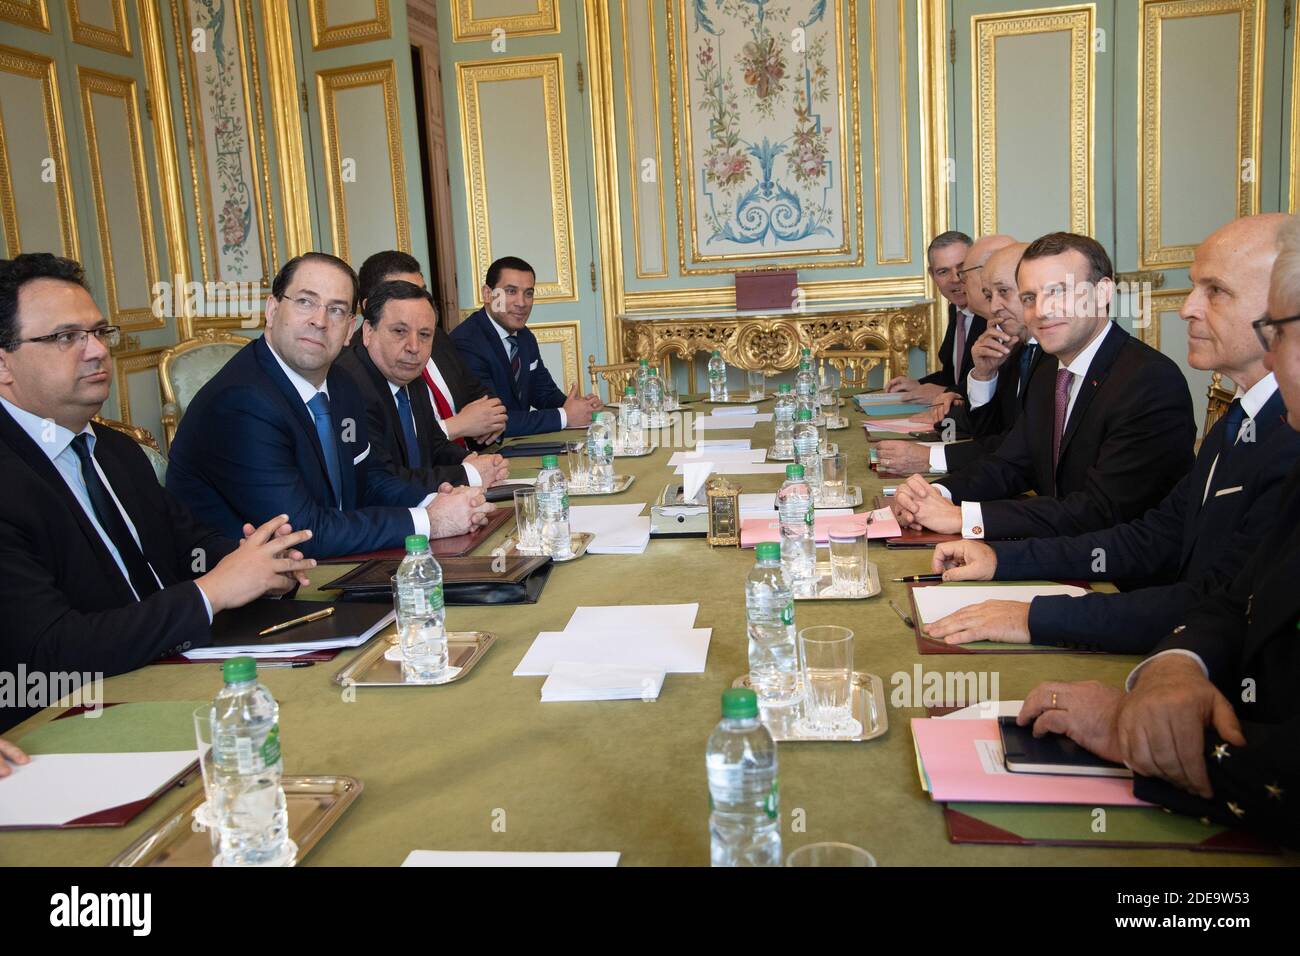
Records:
x=361, y=457
x=534, y=365
x=1227, y=491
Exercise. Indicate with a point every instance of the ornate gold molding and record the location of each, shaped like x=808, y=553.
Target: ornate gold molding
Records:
x=605, y=173
x=1294, y=164
x=634, y=172
x=326, y=35
x=126, y=364
x=286, y=116
x=548, y=69
x=95, y=83
x=329, y=82
x=569, y=336
x=836, y=290
x=685, y=199
x=32, y=13
x=1166, y=300
x=772, y=343
x=1151, y=251
x=906, y=172
x=985, y=31
x=42, y=69
x=932, y=74
x=117, y=40
x=465, y=25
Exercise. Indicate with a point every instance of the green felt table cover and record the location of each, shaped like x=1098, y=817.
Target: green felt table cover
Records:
x=482, y=764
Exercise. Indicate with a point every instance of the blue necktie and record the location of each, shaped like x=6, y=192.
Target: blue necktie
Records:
x=408, y=428
x=110, y=519
x=515, y=365
x=1027, y=355
x=1232, y=421
x=320, y=410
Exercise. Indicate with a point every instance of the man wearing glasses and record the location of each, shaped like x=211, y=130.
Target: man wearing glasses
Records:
x=1210, y=722
x=103, y=570
x=280, y=430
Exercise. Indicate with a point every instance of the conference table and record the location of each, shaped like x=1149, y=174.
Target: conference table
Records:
x=482, y=764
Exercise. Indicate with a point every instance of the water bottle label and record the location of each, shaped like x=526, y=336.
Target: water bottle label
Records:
x=271, y=748
x=787, y=614
x=808, y=518
x=771, y=806
x=433, y=598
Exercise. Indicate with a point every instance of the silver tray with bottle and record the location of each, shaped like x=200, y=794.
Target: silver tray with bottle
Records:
x=372, y=667
x=751, y=400
x=825, y=592
x=621, y=483
x=645, y=450
x=867, y=705
x=314, y=805
x=579, y=541
x=851, y=500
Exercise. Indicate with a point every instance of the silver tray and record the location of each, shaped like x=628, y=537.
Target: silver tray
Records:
x=619, y=453
x=371, y=669
x=852, y=501
x=825, y=593
x=314, y=804
x=621, y=483
x=838, y=423
x=868, y=706
x=734, y=401
x=579, y=541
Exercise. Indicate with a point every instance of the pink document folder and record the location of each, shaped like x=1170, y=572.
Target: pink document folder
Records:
x=961, y=760
x=883, y=525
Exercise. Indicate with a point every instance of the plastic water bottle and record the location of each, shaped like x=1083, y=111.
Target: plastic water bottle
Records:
x=247, y=800
x=653, y=395
x=717, y=377
x=745, y=812
x=794, y=503
x=805, y=386
x=783, y=418
x=769, y=611
x=553, y=508
x=642, y=373
x=631, y=428
x=807, y=447
x=421, y=617
x=600, y=453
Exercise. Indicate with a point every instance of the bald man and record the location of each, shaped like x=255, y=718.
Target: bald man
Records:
x=1205, y=530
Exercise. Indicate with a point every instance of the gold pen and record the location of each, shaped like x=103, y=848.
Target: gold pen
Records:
x=305, y=619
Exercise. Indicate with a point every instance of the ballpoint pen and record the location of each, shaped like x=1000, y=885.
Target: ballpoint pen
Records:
x=305, y=619
x=918, y=578
x=902, y=616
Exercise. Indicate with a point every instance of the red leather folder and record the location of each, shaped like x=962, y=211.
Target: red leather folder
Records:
x=927, y=645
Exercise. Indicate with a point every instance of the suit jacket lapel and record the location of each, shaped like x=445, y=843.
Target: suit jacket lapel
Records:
x=498, y=347
x=1114, y=340
x=1041, y=404
x=387, y=403
x=426, y=422
x=293, y=402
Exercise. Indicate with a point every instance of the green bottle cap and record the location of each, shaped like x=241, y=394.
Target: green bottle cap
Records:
x=717, y=353
x=784, y=389
x=804, y=365
x=770, y=550
x=805, y=414
x=595, y=416
x=550, y=461
x=794, y=471
x=238, y=670
x=629, y=390
x=416, y=542
x=645, y=363
x=739, y=702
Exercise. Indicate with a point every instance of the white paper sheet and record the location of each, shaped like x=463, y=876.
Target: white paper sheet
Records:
x=500, y=858
x=619, y=529
x=574, y=681
x=719, y=455
x=740, y=468
x=632, y=618
x=54, y=789
x=681, y=651
x=694, y=475
x=725, y=410
x=938, y=601
x=986, y=710
x=721, y=444
x=706, y=423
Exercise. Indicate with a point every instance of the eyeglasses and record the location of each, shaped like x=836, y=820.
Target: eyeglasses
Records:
x=1268, y=331
x=306, y=306
x=68, y=339
x=961, y=273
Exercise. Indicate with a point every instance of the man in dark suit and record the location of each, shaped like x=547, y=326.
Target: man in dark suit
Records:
x=993, y=401
x=944, y=257
x=498, y=348
x=1207, y=528
x=1107, y=429
x=280, y=430
x=386, y=363
x=103, y=570
x=1209, y=723
x=465, y=410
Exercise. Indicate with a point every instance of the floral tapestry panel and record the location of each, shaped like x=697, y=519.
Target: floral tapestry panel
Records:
x=765, y=144
x=232, y=216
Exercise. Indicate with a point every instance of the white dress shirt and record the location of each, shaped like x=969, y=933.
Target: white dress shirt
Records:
x=56, y=442
x=307, y=391
x=564, y=418
x=972, y=513
x=471, y=473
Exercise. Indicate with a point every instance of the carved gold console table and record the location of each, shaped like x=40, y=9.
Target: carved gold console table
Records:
x=770, y=340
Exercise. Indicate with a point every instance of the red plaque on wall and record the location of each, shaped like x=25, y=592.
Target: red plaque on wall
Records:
x=769, y=289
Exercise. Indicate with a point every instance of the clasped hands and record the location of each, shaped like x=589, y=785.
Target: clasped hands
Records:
x=918, y=504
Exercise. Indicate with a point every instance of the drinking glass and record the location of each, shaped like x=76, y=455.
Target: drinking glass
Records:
x=830, y=854
x=672, y=397
x=528, y=525
x=579, y=466
x=834, y=488
x=848, y=564
x=205, y=817
x=826, y=661
x=755, y=381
